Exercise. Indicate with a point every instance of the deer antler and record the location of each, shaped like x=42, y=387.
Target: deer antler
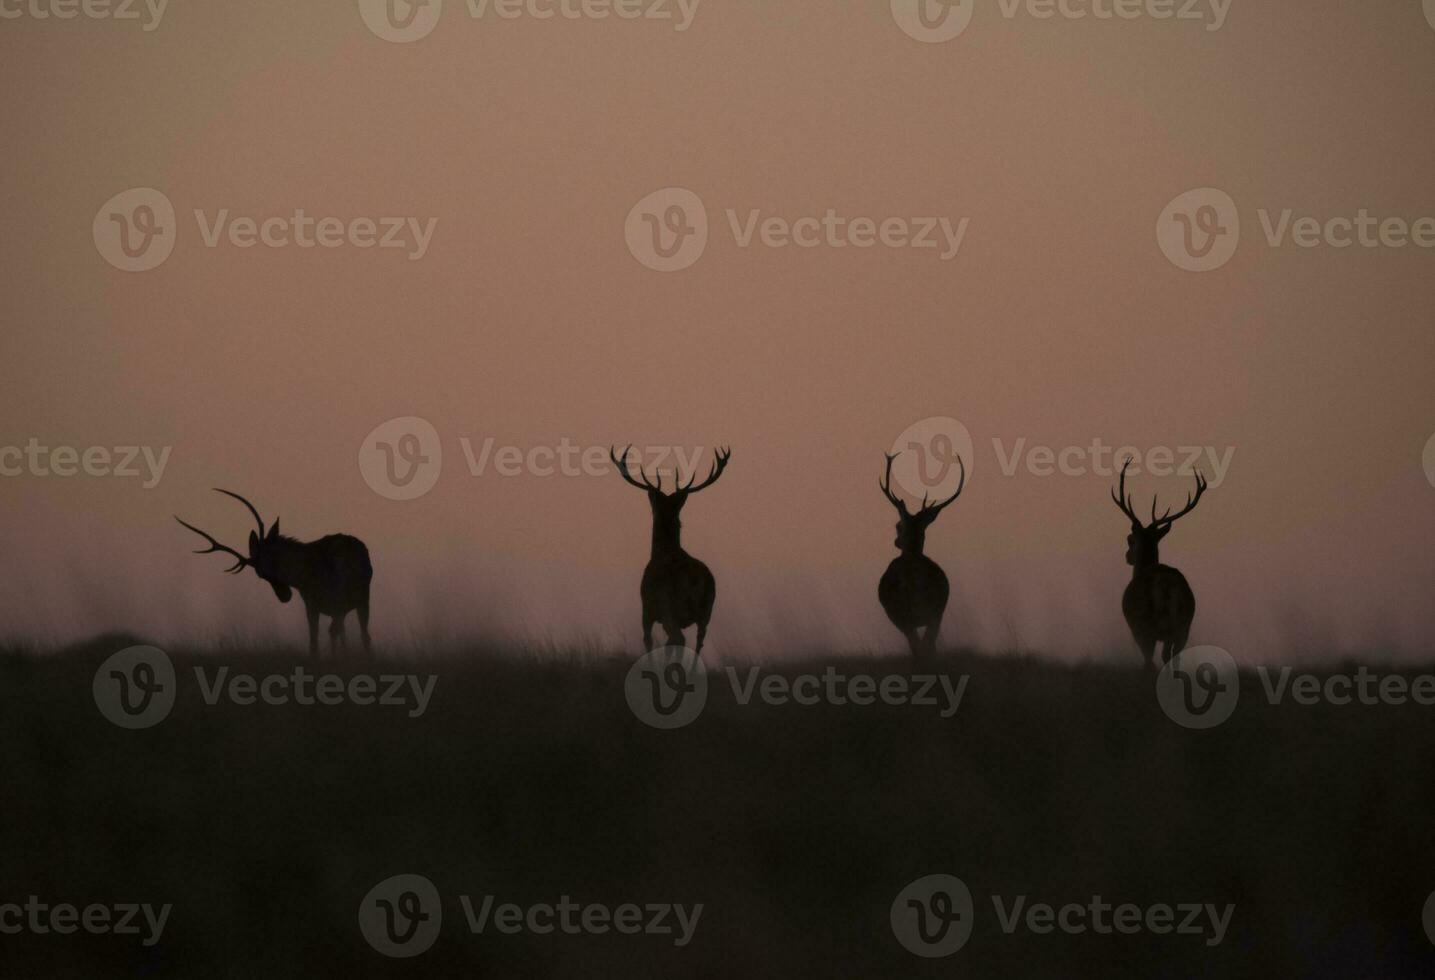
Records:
x=928, y=507
x=1192, y=500
x=720, y=458
x=214, y=546
x=934, y=509
x=1123, y=500
x=622, y=465
x=257, y=519
x=886, y=485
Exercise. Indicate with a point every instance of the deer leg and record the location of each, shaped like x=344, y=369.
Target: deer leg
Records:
x=1148, y=648
x=647, y=631
x=702, y=633
x=363, y=614
x=913, y=641
x=674, y=632
x=1175, y=645
x=336, y=633
x=930, y=639
x=313, y=616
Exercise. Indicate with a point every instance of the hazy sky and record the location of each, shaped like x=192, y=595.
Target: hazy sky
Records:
x=521, y=146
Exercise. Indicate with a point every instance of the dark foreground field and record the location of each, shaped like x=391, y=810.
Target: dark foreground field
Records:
x=795, y=827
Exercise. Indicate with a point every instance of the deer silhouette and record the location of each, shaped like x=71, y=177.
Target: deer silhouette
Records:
x=677, y=590
x=914, y=590
x=1158, y=603
x=331, y=574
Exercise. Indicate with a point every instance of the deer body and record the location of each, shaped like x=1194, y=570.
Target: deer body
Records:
x=677, y=590
x=1158, y=606
x=1158, y=603
x=914, y=590
x=331, y=575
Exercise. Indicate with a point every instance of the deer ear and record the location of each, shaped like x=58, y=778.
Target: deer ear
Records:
x=1164, y=530
x=253, y=542
x=274, y=531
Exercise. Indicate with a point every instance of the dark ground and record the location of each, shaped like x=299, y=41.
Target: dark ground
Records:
x=796, y=827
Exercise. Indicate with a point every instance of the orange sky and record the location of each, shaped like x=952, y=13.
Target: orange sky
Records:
x=527, y=141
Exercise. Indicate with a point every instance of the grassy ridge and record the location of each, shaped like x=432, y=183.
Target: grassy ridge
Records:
x=794, y=826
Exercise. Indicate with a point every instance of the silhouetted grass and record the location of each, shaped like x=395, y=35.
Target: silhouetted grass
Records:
x=529, y=778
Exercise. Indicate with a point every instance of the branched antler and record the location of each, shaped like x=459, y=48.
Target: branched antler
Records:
x=720, y=458
x=214, y=546
x=929, y=508
x=1123, y=500
x=242, y=561
x=622, y=464
x=886, y=484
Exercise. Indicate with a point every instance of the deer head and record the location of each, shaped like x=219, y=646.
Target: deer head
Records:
x=667, y=505
x=262, y=550
x=1144, y=542
x=912, y=528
